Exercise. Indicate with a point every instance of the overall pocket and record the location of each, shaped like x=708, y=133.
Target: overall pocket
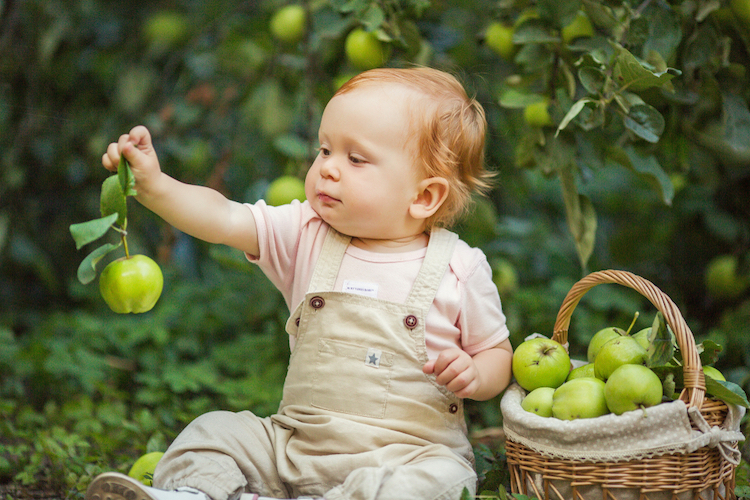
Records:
x=351, y=378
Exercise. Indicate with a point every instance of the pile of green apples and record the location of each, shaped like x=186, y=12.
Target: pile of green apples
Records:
x=622, y=373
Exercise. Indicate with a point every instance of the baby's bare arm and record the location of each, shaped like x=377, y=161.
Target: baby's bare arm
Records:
x=196, y=210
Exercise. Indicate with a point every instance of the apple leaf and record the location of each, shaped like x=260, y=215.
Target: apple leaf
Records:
x=86, y=232
x=729, y=392
x=709, y=352
x=87, y=268
x=635, y=75
x=125, y=175
x=661, y=342
x=112, y=200
x=580, y=214
x=645, y=121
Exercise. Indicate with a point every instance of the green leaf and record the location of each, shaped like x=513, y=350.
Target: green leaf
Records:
x=632, y=74
x=513, y=98
x=112, y=200
x=574, y=110
x=558, y=13
x=533, y=31
x=127, y=181
x=661, y=342
x=737, y=122
x=373, y=17
x=649, y=168
x=729, y=392
x=87, y=268
x=645, y=121
x=580, y=214
x=709, y=352
x=86, y=232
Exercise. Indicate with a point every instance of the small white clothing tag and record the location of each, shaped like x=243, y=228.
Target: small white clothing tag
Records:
x=361, y=288
x=373, y=357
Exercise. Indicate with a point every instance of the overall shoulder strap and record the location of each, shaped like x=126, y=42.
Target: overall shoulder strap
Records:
x=439, y=253
x=329, y=261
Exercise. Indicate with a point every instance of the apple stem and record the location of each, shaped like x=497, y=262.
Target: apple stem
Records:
x=124, y=235
x=632, y=323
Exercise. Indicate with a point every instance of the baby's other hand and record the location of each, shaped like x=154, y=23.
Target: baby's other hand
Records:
x=456, y=370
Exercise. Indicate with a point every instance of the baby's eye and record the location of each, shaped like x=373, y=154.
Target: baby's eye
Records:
x=324, y=151
x=355, y=159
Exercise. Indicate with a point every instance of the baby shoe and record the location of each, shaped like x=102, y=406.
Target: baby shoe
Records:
x=116, y=486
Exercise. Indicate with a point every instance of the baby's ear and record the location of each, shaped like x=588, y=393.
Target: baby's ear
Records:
x=432, y=193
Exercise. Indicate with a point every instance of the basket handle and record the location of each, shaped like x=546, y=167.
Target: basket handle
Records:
x=695, y=385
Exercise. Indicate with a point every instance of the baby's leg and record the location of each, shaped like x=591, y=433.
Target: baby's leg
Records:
x=435, y=478
x=222, y=454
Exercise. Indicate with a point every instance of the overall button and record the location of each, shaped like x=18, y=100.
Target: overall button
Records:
x=453, y=408
x=317, y=302
x=411, y=321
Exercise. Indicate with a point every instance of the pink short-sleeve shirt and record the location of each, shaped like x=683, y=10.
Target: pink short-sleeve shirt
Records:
x=466, y=312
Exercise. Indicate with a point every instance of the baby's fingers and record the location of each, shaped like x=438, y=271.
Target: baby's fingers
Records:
x=111, y=159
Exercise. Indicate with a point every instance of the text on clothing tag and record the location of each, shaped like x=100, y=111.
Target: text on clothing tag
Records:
x=361, y=288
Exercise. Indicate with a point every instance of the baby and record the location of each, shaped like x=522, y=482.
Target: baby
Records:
x=394, y=319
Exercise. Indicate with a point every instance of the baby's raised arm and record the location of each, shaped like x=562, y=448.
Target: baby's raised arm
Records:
x=196, y=210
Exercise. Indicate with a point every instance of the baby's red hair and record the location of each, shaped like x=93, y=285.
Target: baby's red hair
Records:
x=448, y=130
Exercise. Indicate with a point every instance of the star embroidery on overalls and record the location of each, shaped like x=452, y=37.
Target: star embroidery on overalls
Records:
x=373, y=357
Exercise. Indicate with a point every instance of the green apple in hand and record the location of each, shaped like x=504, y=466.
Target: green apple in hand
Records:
x=586, y=370
x=131, y=284
x=617, y=352
x=631, y=387
x=579, y=398
x=539, y=401
x=600, y=338
x=540, y=362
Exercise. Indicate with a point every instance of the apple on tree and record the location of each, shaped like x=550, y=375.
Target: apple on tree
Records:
x=283, y=190
x=540, y=362
x=289, y=23
x=364, y=50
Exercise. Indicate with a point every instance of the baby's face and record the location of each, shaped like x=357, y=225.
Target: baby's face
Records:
x=364, y=178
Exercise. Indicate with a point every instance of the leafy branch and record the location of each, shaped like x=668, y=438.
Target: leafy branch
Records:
x=114, y=210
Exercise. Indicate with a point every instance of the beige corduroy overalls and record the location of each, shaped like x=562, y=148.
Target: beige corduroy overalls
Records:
x=358, y=419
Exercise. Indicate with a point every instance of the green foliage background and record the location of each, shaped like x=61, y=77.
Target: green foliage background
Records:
x=649, y=173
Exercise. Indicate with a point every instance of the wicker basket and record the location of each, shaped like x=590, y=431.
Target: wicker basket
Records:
x=702, y=474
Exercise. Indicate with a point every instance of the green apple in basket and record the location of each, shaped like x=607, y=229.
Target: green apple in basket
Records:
x=582, y=397
x=600, y=338
x=540, y=362
x=631, y=387
x=539, y=401
x=619, y=351
x=586, y=370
